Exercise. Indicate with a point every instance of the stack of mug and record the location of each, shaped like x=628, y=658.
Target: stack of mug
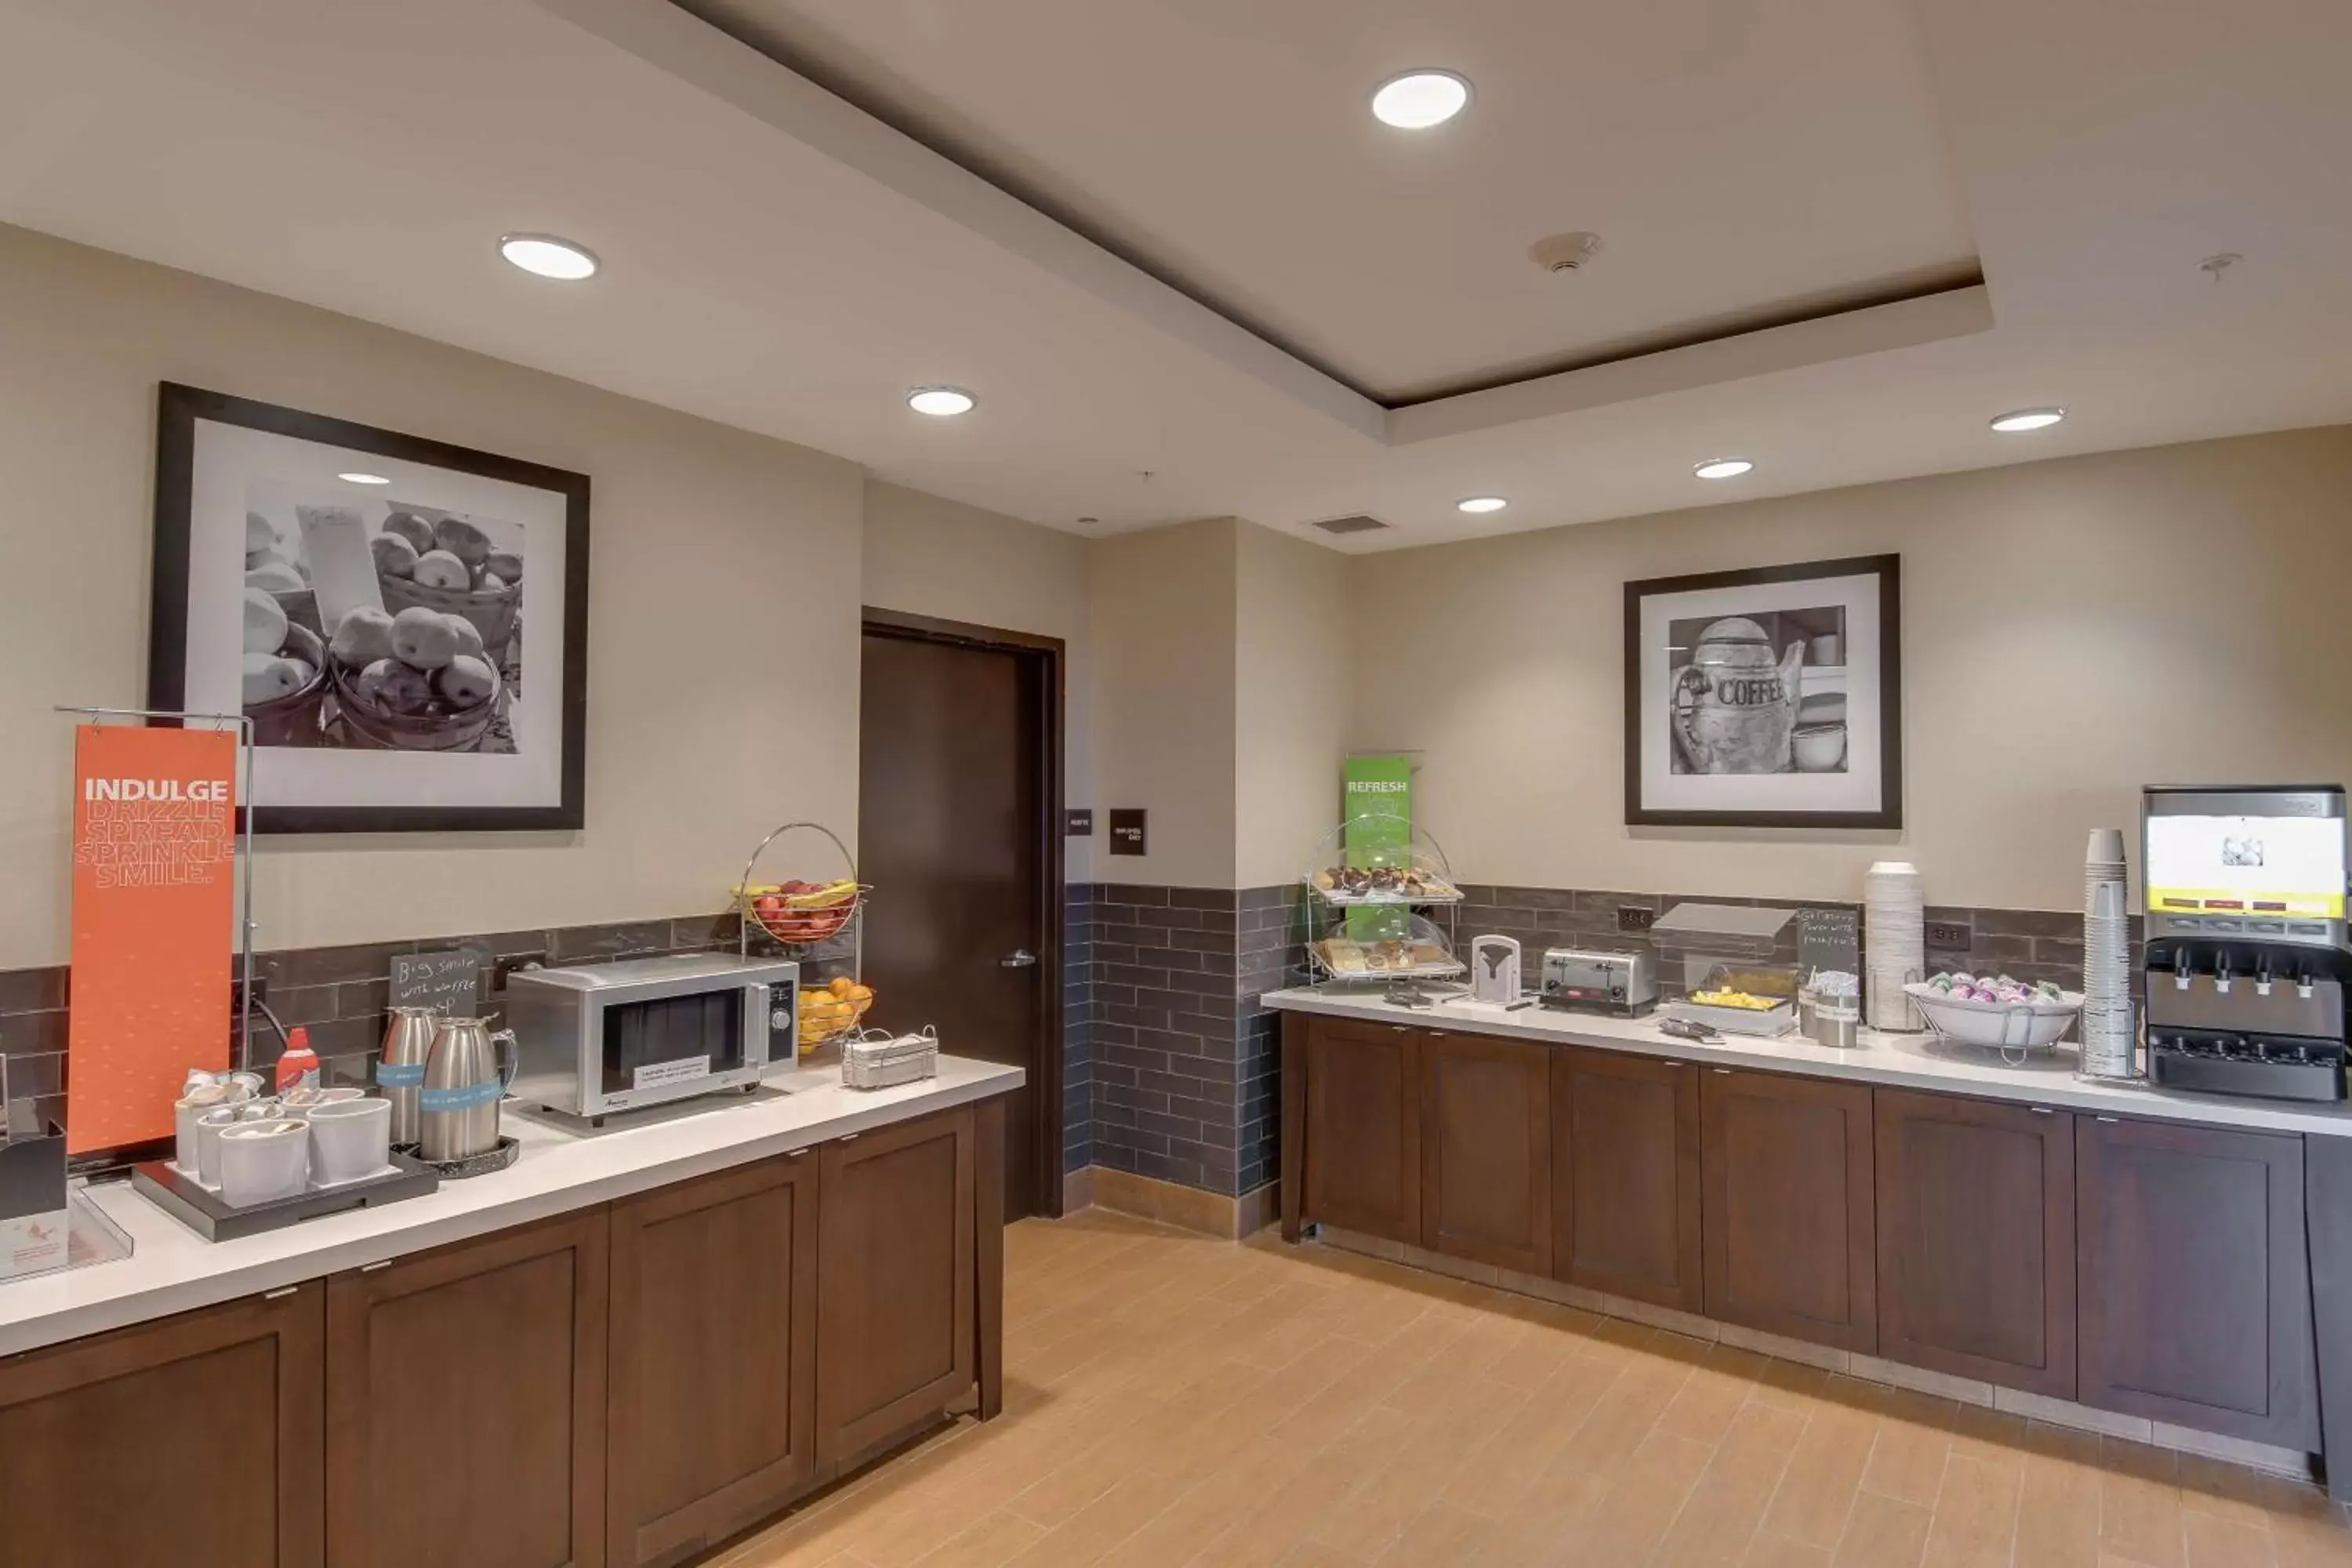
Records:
x=2107, y=1026
x=1894, y=942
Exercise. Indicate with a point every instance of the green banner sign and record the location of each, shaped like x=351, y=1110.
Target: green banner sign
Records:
x=1376, y=803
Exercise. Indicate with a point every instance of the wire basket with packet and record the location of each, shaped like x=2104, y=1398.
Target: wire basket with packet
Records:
x=875, y=1058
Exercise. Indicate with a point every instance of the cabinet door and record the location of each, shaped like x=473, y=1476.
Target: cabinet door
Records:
x=1485, y=1150
x=713, y=1412
x=465, y=1403
x=1363, y=1128
x=896, y=1328
x=1976, y=1239
x=192, y=1441
x=1791, y=1239
x=2196, y=1288
x=1626, y=1176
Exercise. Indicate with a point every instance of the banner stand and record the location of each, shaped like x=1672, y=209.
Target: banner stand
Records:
x=243, y=725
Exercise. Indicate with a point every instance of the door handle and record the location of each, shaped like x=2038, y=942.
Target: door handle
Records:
x=1019, y=958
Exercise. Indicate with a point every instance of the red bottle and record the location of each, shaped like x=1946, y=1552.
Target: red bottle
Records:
x=298, y=1067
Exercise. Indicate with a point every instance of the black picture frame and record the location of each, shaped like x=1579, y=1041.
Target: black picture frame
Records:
x=178, y=410
x=1888, y=570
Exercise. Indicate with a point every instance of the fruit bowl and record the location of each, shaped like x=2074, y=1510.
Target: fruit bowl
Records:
x=832, y=1009
x=798, y=913
x=439, y=728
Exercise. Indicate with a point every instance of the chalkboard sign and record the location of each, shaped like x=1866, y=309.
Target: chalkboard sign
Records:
x=1829, y=940
x=449, y=982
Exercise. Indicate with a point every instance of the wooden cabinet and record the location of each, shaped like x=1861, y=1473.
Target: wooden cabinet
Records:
x=1976, y=1239
x=465, y=1403
x=896, y=1281
x=1626, y=1176
x=192, y=1441
x=1789, y=1223
x=713, y=1363
x=1363, y=1128
x=2196, y=1292
x=1485, y=1150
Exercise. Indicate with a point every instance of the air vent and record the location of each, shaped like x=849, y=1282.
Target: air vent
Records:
x=1360, y=524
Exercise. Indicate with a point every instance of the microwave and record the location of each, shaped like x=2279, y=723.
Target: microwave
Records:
x=606, y=1038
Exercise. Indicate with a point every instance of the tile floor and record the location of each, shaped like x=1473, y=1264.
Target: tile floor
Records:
x=1174, y=1400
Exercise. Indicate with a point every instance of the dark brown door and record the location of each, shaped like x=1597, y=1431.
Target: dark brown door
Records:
x=713, y=1414
x=2196, y=1288
x=1626, y=1176
x=954, y=808
x=1363, y=1128
x=898, y=1337
x=195, y=1441
x=1790, y=1235
x=465, y=1403
x=1976, y=1239
x=1485, y=1150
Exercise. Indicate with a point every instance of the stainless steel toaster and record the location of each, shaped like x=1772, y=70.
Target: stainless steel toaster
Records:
x=1610, y=982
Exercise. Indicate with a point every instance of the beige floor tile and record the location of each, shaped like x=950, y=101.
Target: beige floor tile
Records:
x=2058, y=1505
x=1976, y=1511
x=1719, y=1385
x=1883, y=1532
x=2308, y=1541
x=1091, y=1534
x=1727, y=1504
x=1633, y=1517
x=1914, y=1437
x=996, y=1539
x=1824, y=1474
x=2212, y=1542
x=1441, y=1536
x=2140, y=1504
x=1779, y=1552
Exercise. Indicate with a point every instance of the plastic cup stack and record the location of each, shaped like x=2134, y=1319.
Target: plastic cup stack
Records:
x=1894, y=942
x=2107, y=1025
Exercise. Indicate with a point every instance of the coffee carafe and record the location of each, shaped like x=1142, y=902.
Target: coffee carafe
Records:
x=457, y=1103
x=400, y=1071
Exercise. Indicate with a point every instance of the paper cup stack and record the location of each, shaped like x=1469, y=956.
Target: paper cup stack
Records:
x=2107, y=1029
x=1893, y=942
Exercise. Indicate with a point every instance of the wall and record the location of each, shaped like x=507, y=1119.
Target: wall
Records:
x=1293, y=693
x=723, y=606
x=2071, y=630
x=1163, y=606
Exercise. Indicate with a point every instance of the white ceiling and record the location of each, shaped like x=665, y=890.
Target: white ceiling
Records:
x=784, y=264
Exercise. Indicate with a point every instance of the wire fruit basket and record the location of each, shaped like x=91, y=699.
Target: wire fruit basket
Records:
x=833, y=1008
x=800, y=913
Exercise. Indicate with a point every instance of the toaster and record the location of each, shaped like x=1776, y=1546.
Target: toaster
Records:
x=1610, y=981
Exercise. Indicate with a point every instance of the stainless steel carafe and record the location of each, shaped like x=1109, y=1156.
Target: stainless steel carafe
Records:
x=400, y=1071
x=457, y=1104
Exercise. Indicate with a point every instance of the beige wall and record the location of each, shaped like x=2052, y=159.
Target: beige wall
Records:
x=1163, y=606
x=1293, y=693
x=2071, y=630
x=723, y=606
x=927, y=555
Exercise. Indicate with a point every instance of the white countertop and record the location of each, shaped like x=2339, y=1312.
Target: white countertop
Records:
x=173, y=1269
x=1900, y=1061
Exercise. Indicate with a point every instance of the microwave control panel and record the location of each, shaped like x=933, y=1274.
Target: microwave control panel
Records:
x=784, y=1022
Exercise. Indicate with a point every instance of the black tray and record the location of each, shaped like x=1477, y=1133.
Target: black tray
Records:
x=202, y=1210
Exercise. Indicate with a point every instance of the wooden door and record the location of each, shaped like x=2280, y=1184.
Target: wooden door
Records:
x=958, y=790
x=2196, y=1288
x=191, y=1442
x=1976, y=1239
x=1363, y=1128
x=1626, y=1176
x=1485, y=1150
x=713, y=1364
x=465, y=1403
x=897, y=1336
x=1788, y=1221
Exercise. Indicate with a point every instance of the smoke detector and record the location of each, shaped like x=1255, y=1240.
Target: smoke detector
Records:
x=1565, y=252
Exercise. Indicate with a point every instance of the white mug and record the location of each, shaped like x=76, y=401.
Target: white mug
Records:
x=350, y=1139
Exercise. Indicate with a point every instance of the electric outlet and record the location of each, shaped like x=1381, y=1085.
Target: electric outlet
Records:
x=237, y=991
x=1636, y=918
x=1949, y=936
x=506, y=966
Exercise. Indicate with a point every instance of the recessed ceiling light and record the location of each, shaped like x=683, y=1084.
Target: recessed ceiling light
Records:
x=1723, y=467
x=363, y=478
x=2028, y=419
x=941, y=402
x=1419, y=99
x=548, y=256
x=1481, y=503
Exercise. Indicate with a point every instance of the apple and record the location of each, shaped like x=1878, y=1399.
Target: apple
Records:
x=491, y=582
x=462, y=539
x=469, y=636
x=365, y=636
x=268, y=677
x=465, y=681
x=260, y=535
x=507, y=563
x=421, y=637
x=395, y=556
x=276, y=576
x=396, y=687
x=439, y=569
x=407, y=525
x=264, y=622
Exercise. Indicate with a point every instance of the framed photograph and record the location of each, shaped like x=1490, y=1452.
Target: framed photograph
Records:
x=1767, y=698
x=405, y=621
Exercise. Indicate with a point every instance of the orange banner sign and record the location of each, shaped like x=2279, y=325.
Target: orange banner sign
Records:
x=153, y=890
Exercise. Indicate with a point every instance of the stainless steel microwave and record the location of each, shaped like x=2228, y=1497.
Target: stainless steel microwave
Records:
x=606, y=1037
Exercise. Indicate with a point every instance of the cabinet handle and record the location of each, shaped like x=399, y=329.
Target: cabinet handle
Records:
x=1675, y=1064
x=371, y=1268
x=280, y=1294
x=1725, y=1072
x=2041, y=1111
x=2108, y=1119
x=851, y=1137
x=796, y=1154
x=1401, y=1028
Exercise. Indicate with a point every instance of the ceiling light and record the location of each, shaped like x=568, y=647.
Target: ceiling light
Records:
x=548, y=256
x=363, y=478
x=1419, y=99
x=1723, y=467
x=2028, y=419
x=1481, y=503
x=941, y=402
